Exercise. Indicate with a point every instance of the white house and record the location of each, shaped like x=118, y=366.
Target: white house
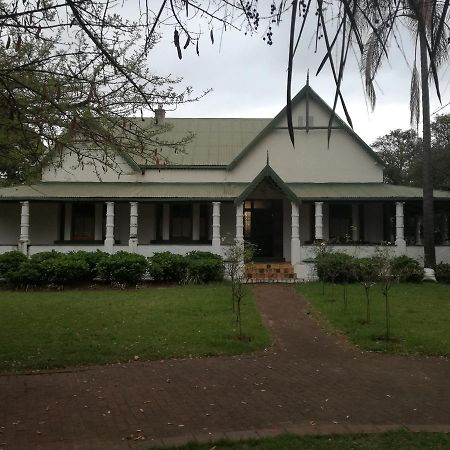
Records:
x=239, y=179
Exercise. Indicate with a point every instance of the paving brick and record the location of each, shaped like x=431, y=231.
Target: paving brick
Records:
x=308, y=382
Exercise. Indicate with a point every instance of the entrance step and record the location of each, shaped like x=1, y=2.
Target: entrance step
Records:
x=268, y=272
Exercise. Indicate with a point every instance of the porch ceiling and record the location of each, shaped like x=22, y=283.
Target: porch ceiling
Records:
x=54, y=191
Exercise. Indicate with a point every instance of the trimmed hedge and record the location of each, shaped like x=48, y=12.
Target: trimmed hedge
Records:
x=123, y=267
x=408, y=269
x=204, y=267
x=443, y=272
x=10, y=261
x=336, y=267
x=166, y=266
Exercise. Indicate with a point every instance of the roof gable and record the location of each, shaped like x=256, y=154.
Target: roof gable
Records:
x=309, y=94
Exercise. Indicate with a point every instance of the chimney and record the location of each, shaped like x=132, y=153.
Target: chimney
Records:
x=160, y=115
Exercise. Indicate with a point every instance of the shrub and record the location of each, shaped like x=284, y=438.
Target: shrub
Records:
x=44, y=256
x=92, y=260
x=29, y=273
x=11, y=261
x=64, y=269
x=368, y=269
x=406, y=269
x=336, y=267
x=204, y=267
x=166, y=266
x=123, y=267
x=443, y=273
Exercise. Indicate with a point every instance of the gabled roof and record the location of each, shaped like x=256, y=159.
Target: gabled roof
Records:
x=306, y=92
x=267, y=172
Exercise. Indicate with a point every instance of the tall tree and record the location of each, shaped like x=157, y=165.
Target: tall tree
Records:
x=427, y=21
x=399, y=150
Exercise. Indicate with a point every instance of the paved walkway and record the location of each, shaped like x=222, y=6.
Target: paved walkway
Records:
x=309, y=382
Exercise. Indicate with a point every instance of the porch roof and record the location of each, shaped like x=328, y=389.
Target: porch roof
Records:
x=78, y=191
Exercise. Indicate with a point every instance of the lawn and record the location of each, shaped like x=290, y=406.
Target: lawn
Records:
x=396, y=440
x=420, y=316
x=41, y=330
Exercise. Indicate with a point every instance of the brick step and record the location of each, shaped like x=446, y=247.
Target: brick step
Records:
x=270, y=272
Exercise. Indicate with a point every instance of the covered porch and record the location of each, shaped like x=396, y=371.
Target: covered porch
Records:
x=284, y=221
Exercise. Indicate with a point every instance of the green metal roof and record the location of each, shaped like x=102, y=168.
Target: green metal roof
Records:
x=216, y=142
x=122, y=191
x=77, y=191
x=369, y=191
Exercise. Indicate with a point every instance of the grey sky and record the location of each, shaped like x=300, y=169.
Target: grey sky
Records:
x=248, y=79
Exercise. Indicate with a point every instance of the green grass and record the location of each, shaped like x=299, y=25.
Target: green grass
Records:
x=420, y=316
x=41, y=330
x=395, y=440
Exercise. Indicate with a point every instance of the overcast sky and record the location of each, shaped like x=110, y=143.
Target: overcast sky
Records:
x=248, y=79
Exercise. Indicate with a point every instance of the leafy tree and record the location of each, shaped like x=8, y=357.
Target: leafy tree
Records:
x=401, y=152
x=398, y=149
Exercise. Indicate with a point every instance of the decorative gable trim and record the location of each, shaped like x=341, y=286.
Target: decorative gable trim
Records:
x=266, y=172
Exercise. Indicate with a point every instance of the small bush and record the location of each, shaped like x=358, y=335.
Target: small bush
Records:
x=336, y=267
x=204, y=267
x=443, y=273
x=65, y=269
x=406, y=269
x=166, y=266
x=92, y=260
x=11, y=261
x=29, y=273
x=368, y=269
x=123, y=267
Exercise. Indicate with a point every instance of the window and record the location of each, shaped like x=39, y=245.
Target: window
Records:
x=181, y=221
x=83, y=221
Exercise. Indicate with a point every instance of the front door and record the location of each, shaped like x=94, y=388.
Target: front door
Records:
x=263, y=227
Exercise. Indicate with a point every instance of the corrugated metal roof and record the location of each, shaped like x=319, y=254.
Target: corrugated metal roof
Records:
x=219, y=191
x=216, y=142
x=98, y=190
x=335, y=191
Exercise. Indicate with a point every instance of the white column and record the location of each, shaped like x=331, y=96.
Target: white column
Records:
x=216, y=227
x=109, y=237
x=240, y=223
x=67, y=221
x=355, y=222
x=418, y=230
x=98, y=231
x=295, y=234
x=24, y=239
x=133, y=241
x=400, y=242
x=318, y=223
x=166, y=222
x=195, y=222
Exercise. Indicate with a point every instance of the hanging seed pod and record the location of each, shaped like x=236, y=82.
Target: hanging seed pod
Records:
x=8, y=42
x=211, y=35
x=176, y=41
x=197, y=50
x=188, y=41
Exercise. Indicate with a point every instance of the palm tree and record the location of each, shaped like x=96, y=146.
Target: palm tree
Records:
x=427, y=22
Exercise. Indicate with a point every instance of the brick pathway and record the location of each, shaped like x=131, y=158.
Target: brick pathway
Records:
x=309, y=382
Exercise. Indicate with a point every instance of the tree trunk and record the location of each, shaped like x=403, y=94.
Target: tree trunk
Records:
x=428, y=205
